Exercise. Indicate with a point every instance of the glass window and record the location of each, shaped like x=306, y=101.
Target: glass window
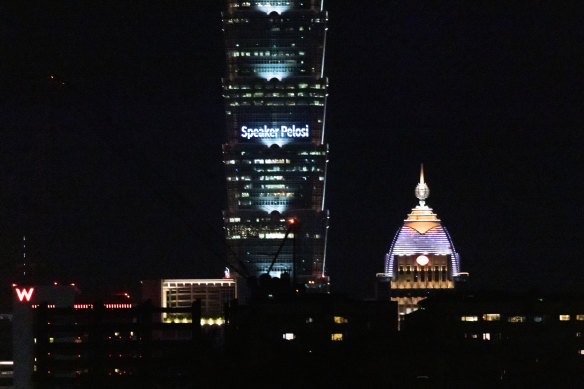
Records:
x=340, y=320
x=516, y=319
x=469, y=318
x=564, y=317
x=492, y=316
x=337, y=337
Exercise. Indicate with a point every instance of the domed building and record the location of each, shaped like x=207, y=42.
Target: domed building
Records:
x=422, y=258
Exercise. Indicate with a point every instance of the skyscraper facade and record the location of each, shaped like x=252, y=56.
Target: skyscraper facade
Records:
x=275, y=157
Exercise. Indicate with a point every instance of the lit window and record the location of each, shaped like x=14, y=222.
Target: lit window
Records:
x=491, y=317
x=340, y=320
x=288, y=336
x=469, y=318
x=538, y=319
x=516, y=319
x=564, y=317
x=486, y=336
x=579, y=317
x=337, y=337
x=581, y=352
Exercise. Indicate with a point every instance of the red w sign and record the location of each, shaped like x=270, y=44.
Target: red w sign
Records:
x=24, y=294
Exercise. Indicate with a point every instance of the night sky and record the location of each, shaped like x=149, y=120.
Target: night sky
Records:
x=116, y=175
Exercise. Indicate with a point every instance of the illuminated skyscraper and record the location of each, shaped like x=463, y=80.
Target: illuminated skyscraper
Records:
x=275, y=157
x=422, y=258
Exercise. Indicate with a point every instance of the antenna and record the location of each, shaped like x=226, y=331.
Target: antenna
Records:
x=24, y=256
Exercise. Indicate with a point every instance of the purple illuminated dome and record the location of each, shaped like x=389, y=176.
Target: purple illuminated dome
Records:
x=421, y=234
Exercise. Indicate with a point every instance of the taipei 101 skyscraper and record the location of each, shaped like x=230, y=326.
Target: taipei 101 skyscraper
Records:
x=275, y=157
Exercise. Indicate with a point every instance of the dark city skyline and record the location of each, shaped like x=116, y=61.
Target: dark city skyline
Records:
x=113, y=168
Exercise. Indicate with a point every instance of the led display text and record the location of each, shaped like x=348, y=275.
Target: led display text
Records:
x=275, y=132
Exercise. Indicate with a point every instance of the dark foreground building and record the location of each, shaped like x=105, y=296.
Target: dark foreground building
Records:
x=275, y=156
x=456, y=340
x=497, y=340
x=61, y=342
x=312, y=341
x=302, y=340
x=115, y=346
x=6, y=362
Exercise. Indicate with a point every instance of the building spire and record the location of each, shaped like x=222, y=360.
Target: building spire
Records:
x=422, y=190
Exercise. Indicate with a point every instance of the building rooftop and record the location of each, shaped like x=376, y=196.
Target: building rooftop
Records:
x=421, y=233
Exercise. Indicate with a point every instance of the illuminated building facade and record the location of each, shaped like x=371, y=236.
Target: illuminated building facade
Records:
x=61, y=342
x=275, y=156
x=211, y=294
x=422, y=257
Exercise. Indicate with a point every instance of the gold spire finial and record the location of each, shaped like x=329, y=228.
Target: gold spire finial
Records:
x=422, y=190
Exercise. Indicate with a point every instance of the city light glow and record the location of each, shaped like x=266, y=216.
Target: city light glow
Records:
x=268, y=8
x=269, y=75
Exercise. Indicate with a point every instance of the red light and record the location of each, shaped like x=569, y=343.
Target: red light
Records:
x=55, y=283
x=291, y=221
x=72, y=284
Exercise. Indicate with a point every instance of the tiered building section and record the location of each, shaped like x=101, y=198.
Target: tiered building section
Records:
x=275, y=157
x=422, y=257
